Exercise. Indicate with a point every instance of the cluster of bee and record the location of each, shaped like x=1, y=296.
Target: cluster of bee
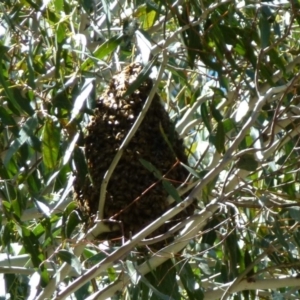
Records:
x=135, y=196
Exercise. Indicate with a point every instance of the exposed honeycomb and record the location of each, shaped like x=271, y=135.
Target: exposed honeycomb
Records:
x=131, y=181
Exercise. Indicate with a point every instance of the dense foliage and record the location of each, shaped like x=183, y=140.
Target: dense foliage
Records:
x=227, y=72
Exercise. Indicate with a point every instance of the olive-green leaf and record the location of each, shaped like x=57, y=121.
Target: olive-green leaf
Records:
x=80, y=163
x=150, y=167
x=10, y=96
x=133, y=274
x=205, y=116
x=26, y=131
x=16, y=208
x=295, y=213
x=171, y=190
x=32, y=246
x=165, y=275
x=247, y=262
x=95, y=258
x=72, y=221
x=265, y=31
x=50, y=139
x=189, y=281
x=105, y=49
x=192, y=171
x=220, y=138
x=228, y=125
x=247, y=162
x=70, y=259
x=7, y=234
x=7, y=119
x=82, y=97
x=282, y=160
x=59, y=5
x=215, y=112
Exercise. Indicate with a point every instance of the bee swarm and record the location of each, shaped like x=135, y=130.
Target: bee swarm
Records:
x=131, y=181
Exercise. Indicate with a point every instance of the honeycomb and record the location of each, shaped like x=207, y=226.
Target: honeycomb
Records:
x=134, y=195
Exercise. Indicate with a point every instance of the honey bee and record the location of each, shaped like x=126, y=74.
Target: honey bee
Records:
x=135, y=196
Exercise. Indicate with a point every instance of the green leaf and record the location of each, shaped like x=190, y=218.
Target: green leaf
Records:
x=7, y=206
x=106, y=9
x=80, y=163
x=166, y=139
x=247, y=162
x=162, y=282
x=189, y=281
x=50, y=139
x=43, y=208
x=84, y=291
x=224, y=82
x=233, y=254
x=191, y=37
x=72, y=222
x=205, y=116
x=23, y=100
x=166, y=184
x=295, y=213
x=133, y=274
x=16, y=208
x=70, y=208
x=70, y=259
x=171, y=190
x=220, y=138
x=60, y=33
x=59, y=6
x=209, y=237
x=8, y=120
x=45, y=277
x=25, y=133
x=215, y=112
x=194, y=44
x=282, y=160
x=82, y=97
x=32, y=246
x=7, y=234
x=104, y=50
x=265, y=32
x=192, y=171
x=96, y=258
x=149, y=19
x=150, y=167
x=10, y=96
x=228, y=125
x=39, y=230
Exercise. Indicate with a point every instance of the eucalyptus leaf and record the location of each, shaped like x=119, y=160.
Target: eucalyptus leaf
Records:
x=103, y=50
x=70, y=259
x=25, y=133
x=82, y=97
x=247, y=162
x=50, y=139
